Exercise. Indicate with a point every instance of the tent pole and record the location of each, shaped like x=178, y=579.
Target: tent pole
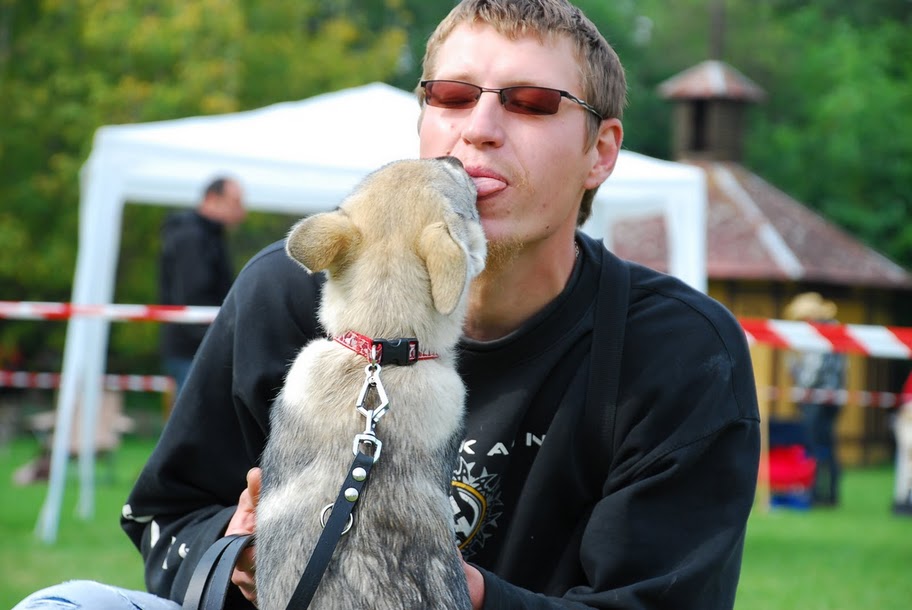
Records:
x=91, y=398
x=70, y=378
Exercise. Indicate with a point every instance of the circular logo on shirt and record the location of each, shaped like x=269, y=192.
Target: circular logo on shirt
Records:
x=468, y=511
x=476, y=504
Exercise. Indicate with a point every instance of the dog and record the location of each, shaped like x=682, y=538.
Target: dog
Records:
x=399, y=254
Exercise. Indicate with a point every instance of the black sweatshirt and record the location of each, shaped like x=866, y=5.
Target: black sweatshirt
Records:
x=652, y=515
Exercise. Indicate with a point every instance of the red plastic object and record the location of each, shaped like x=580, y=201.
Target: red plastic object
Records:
x=790, y=469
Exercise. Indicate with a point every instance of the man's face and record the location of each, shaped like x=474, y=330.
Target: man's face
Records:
x=530, y=170
x=232, y=205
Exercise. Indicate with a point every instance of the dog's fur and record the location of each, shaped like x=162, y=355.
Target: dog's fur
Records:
x=400, y=253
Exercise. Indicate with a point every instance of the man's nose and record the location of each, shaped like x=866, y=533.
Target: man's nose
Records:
x=484, y=124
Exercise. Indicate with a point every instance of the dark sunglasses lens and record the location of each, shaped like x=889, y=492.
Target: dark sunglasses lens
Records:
x=447, y=94
x=531, y=100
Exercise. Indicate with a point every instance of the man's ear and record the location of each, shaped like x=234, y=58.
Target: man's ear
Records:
x=446, y=265
x=605, y=152
x=322, y=241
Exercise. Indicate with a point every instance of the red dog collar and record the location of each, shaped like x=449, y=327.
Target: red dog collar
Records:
x=384, y=351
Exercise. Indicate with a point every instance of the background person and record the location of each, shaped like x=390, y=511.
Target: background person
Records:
x=612, y=438
x=195, y=268
x=901, y=422
x=819, y=371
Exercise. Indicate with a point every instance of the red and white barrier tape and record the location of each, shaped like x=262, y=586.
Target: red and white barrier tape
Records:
x=131, y=383
x=160, y=383
x=34, y=310
x=860, y=398
x=874, y=341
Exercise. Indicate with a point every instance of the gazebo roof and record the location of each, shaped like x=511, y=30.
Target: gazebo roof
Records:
x=756, y=231
x=711, y=79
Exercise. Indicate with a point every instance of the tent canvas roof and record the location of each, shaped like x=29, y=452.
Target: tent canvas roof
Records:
x=292, y=157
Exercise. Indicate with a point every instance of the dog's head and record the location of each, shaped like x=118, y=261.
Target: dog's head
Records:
x=399, y=252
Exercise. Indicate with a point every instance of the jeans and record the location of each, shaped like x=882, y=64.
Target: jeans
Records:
x=90, y=595
x=178, y=368
x=820, y=423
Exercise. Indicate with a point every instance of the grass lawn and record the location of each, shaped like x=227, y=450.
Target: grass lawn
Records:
x=96, y=549
x=856, y=556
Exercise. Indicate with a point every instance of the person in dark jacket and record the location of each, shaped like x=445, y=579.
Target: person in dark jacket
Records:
x=823, y=372
x=195, y=268
x=612, y=441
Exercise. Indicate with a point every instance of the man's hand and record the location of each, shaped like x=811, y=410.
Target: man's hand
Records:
x=244, y=522
x=476, y=585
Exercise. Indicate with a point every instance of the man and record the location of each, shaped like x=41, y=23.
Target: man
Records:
x=612, y=428
x=819, y=371
x=195, y=269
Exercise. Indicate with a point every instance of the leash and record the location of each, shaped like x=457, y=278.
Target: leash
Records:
x=366, y=448
x=340, y=521
x=208, y=587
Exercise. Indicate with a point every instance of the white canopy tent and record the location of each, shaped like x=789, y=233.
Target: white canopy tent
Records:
x=299, y=158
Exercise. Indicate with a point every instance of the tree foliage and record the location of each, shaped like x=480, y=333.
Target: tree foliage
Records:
x=68, y=67
x=834, y=131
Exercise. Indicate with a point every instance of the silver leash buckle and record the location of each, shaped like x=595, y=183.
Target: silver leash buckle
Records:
x=367, y=438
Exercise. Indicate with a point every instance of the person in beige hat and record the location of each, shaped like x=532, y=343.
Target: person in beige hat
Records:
x=811, y=306
x=819, y=371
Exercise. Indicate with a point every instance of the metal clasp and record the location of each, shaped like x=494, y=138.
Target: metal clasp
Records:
x=372, y=381
x=367, y=440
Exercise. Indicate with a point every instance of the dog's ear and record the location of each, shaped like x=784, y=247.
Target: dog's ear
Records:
x=322, y=241
x=446, y=265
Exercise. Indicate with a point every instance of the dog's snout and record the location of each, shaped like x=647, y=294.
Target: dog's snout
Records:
x=453, y=160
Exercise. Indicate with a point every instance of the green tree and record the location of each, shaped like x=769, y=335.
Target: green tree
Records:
x=834, y=131
x=68, y=67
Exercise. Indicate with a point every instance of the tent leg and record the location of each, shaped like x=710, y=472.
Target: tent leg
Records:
x=49, y=517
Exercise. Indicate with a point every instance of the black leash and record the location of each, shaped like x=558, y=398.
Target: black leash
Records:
x=366, y=447
x=340, y=520
x=208, y=586
x=209, y=583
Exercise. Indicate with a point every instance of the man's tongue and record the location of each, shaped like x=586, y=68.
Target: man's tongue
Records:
x=486, y=186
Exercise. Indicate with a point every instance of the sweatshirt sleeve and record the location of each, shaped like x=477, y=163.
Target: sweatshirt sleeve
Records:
x=668, y=526
x=189, y=488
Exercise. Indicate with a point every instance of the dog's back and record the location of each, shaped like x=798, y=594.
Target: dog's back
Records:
x=399, y=254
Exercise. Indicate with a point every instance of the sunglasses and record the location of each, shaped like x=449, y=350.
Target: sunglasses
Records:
x=524, y=99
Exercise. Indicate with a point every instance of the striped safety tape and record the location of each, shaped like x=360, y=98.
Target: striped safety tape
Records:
x=860, y=398
x=874, y=341
x=130, y=383
x=35, y=310
x=160, y=383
